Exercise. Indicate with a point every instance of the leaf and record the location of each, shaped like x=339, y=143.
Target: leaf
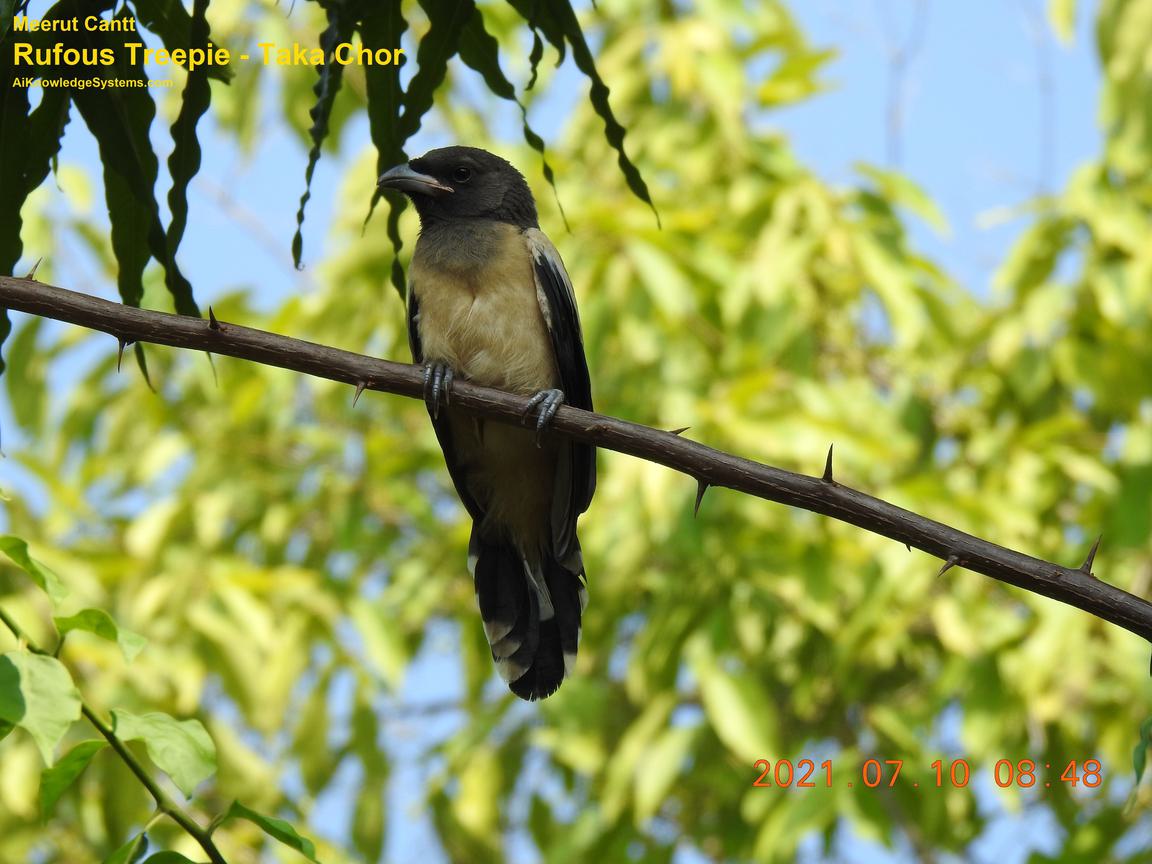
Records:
x=446, y=19
x=142, y=363
x=381, y=27
x=55, y=781
x=5, y=329
x=182, y=749
x=17, y=550
x=27, y=388
x=1035, y=254
x=185, y=159
x=480, y=51
x=103, y=625
x=735, y=703
x=38, y=695
x=661, y=765
x=275, y=828
x=46, y=135
x=557, y=19
x=897, y=188
x=120, y=118
x=1062, y=14
x=25, y=158
x=130, y=852
x=168, y=858
x=169, y=20
x=14, y=151
x=1140, y=752
x=340, y=24
x=7, y=13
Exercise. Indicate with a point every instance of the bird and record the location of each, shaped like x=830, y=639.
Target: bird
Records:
x=489, y=301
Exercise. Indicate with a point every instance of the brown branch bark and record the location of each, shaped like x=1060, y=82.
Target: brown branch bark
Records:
x=708, y=466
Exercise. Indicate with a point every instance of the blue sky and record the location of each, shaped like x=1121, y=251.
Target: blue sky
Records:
x=994, y=109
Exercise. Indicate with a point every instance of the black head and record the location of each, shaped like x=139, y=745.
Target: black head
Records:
x=464, y=183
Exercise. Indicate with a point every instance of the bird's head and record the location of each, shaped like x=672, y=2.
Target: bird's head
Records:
x=464, y=183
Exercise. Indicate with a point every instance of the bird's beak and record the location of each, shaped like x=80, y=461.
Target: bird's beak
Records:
x=402, y=177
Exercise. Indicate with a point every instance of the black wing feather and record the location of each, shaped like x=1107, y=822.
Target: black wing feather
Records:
x=576, y=470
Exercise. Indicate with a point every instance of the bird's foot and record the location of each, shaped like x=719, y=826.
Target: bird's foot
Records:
x=549, y=402
x=438, y=378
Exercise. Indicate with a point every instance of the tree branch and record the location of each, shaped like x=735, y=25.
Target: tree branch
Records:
x=708, y=466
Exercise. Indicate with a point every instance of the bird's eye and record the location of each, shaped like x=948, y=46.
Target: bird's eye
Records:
x=462, y=174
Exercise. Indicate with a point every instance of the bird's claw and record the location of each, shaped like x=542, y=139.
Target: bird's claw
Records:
x=549, y=402
x=438, y=378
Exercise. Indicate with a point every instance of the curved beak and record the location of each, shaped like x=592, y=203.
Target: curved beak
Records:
x=402, y=177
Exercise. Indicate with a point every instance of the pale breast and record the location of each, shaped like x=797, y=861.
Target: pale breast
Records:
x=484, y=319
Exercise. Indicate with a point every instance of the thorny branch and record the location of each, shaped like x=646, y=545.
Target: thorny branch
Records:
x=1075, y=586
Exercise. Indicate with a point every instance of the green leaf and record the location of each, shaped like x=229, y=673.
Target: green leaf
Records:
x=168, y=858
x=55, y=781
x=169, y=20
x=558, y=21
x=185, y=159
x=480, y=50
x=46, y=135
x=1140, y=752
x=446, y=20
x=38, y=695
x=130, y=852
x=27, y=388
x=120, y=119
x=7, y=13
x=1062, y=14
x=182, y=749
x=17, y=550
x=102, y=624
x=661, y=765
x=902, y=190
x=1035, y=254
x=14, y=152
x=341, y=20
x=381, y=27
x=6, y=729
x=278, y=829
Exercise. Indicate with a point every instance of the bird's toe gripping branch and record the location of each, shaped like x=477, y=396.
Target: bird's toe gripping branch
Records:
x=438, y=378
x=549, y=402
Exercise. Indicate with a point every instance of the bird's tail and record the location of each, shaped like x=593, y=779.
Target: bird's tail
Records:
x=531, y=614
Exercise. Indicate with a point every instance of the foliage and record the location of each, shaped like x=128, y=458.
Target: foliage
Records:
x=297, y=566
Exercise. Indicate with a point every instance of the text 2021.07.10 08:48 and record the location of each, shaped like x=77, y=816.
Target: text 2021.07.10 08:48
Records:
x=1024, y=773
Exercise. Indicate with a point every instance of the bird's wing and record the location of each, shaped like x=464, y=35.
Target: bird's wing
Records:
x=441, y=424
x=576, y=466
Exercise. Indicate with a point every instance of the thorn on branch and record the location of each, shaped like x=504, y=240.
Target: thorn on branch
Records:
x=361, y=386
x=680, y=431
x=908, y=546
x=827, y=478
x=32, y=273
x=948, y=565
x=1086, y=567
x=213, y=324
x=122, y=344
x=701, y=488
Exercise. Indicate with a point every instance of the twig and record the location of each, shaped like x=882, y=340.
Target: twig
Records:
x=164, y=802
x=901, y=53
x=1046, y=140
x=705, y=465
